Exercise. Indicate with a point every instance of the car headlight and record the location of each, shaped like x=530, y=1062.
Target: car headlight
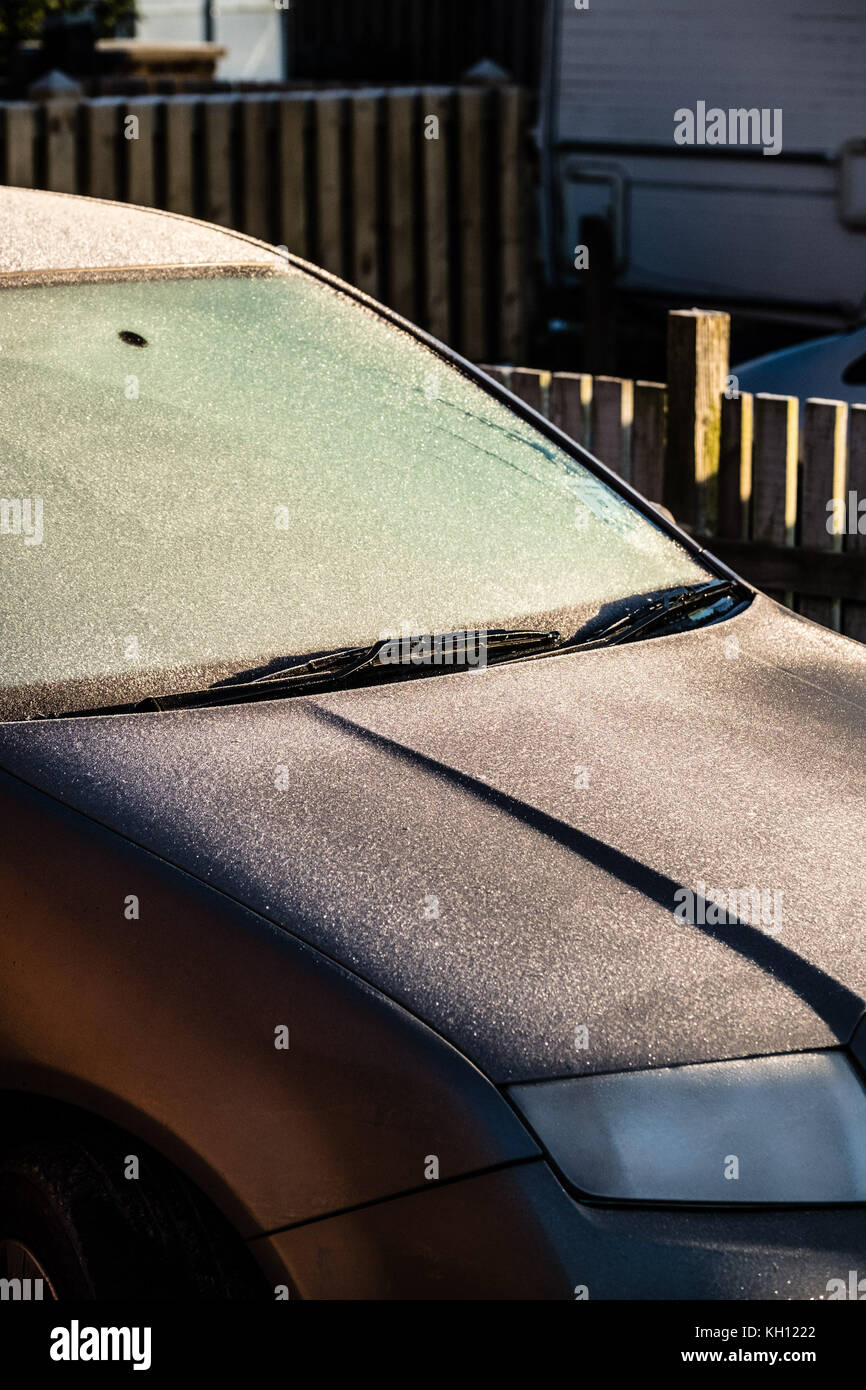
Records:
x=768, y=1129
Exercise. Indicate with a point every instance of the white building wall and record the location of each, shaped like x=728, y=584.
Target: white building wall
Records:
x=625, y=66
x=170, y=21
x=249, y=29
x=705, y=223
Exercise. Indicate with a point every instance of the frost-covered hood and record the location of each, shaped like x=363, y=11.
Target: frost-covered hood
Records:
x=503, y=852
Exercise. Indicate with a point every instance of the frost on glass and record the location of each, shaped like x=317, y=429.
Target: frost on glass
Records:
x=276, y=471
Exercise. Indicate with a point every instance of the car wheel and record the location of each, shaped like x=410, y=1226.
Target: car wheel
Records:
x=70, y=1217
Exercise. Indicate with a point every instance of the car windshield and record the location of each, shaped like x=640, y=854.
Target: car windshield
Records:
x=202, y=472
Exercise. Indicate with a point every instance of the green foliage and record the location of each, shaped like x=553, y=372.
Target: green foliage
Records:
x=23, y=19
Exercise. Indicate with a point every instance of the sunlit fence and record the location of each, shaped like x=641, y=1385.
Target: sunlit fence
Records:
x=773, y=489
x=418, y=196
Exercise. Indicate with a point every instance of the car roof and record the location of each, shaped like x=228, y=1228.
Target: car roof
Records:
x=42, y=231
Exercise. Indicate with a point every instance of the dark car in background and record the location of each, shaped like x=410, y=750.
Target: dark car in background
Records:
x=424, y=871
x=832, y=368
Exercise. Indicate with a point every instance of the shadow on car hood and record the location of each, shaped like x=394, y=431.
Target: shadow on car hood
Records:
x=504, y=852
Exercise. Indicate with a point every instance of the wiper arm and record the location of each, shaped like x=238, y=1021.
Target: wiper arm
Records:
x=502, y=642
x=346, y=664
x=658, y=613
x=343, y=662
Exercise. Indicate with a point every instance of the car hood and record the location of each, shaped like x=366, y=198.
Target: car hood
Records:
x=506, y=852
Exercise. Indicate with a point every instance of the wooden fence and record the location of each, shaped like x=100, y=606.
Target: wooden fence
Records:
x=777, y=502
x=418, y=196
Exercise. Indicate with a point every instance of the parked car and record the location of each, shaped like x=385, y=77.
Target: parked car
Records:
x=833, y=369
x=424, y=871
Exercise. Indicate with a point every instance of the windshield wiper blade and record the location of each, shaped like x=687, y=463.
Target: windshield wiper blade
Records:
x=345, y=664
x=658, y=613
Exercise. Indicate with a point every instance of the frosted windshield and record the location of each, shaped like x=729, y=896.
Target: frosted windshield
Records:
x=231, y=468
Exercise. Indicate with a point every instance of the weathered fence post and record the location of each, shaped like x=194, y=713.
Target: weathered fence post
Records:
x=774, y=475
x=402, y=156
x=328, y=127
x=774, y=469
x=571, y=405
x=252, y=149
x=698, y=346
x=20, y=141
x=103, y=123
x=470, y=156
x=531, y=386
x=365, y=113
x=648, y=439
x=436, y=104
x=180, y=114
x=853, y=613
x=294, y=122
x=612, y=417
x=61, y=120
x=513, y=232
x=218, y=122
x=735, y=466
x=823, y=469
x=139, y=152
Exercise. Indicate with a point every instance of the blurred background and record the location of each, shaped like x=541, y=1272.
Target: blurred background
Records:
x=501, y=171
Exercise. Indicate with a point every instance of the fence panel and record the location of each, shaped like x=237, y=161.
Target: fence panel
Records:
x=697, y=371
x=219, y=135
x=471, y=161
x=20, y=132
x=514, y=191
x=294, y=122
x=825, y=427
x=530, y=387
x=437, y=134
x=612, y=414
x=648, y=440
x=60, y=121
x=402, y=157
x=774, y=469
x=770, y=514
x=180, y=125
x=571, y=405
x=139, y=147
x=257, y=118
x=735, y=466
x=103, y=124
x=429, y=219
x=366, y=259
x=329, y=178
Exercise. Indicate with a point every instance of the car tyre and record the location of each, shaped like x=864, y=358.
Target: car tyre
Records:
x=69, y=1215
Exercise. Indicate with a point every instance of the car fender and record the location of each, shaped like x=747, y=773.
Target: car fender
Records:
x=281, y=1083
